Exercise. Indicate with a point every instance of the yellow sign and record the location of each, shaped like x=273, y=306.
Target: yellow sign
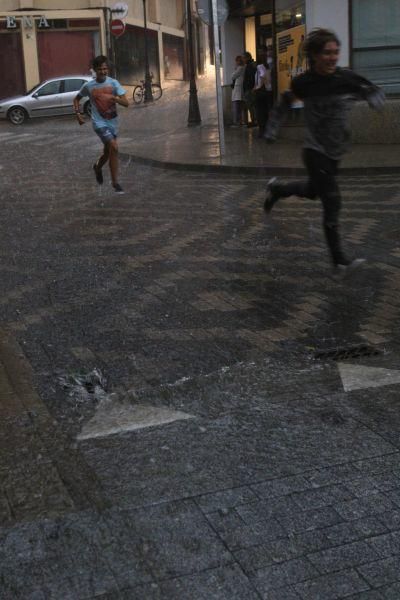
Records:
x=290, y=55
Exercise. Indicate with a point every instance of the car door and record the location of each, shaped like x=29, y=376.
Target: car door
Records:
x=46, y=100
x=70, y=88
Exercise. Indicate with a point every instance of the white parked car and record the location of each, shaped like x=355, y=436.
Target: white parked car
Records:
x=47, y=99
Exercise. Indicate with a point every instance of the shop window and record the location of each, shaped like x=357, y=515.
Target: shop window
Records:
x=289, y=14
x=83, y=23
x=376, y=42
x=173, y=56
x=129, y=54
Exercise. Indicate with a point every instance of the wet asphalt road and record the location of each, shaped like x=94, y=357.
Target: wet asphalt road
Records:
x=258, y=470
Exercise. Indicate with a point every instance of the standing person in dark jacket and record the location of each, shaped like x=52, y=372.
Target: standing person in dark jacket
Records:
x=249, y=78
x=262, y=90
x=327, y=91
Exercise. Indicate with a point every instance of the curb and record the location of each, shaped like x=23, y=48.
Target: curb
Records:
x=248, y=170
x=79, y=481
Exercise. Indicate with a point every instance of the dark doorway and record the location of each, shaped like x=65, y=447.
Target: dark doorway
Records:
x=11, y=65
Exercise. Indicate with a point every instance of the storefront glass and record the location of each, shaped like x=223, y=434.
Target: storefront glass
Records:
x=173, y=56
x=376, y=42
x=130, y=55
x=291, y=31
x=289, y=13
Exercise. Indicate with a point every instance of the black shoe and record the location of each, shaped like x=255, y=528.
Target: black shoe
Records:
x=347, y=266
x=118, y=189
x=252, y=124
x=272, y=196
x=98, y=173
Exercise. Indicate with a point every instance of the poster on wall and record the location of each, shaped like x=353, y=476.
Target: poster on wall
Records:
x=291, y=58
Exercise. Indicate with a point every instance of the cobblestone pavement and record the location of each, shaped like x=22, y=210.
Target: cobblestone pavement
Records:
x=192, y=405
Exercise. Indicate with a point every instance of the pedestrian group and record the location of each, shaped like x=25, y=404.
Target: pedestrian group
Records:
x=252, y=95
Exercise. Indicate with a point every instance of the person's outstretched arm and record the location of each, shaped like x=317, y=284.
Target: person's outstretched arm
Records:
x=365, y=89
x=278, y=115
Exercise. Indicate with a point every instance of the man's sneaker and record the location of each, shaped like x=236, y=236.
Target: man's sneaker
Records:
x=350, y=265
x=98, y=173
x=118, y=189
x=271, y=196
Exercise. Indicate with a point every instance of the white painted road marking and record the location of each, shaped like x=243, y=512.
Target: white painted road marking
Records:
x=114, y=417
x=358, y=377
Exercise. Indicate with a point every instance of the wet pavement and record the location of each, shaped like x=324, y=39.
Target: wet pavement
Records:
x=158, y=134
x=193, y=405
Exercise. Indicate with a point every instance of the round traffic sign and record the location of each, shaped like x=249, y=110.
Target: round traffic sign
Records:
x=117, y=27
x=120, y=10
x=204, y=10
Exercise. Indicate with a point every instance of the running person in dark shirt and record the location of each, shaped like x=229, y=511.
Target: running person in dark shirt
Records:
x=327, y=92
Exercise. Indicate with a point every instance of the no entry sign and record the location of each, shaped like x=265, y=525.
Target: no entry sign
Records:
x=117, y=27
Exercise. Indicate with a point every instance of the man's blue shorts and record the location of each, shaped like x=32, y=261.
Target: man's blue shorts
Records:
x=106, y=134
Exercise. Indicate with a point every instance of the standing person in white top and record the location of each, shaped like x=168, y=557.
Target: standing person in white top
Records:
x=262, y=90
x=237, y=92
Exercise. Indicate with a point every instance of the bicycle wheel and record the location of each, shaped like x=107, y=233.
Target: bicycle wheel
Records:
x=138, y=94
x=156, y=91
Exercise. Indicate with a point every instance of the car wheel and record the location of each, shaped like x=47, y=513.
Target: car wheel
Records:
x=17, y=115
x=88, y=109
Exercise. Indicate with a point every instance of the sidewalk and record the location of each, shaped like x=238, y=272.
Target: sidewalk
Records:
x=158, y=134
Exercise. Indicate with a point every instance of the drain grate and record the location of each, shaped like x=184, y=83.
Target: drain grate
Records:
x=357, y=351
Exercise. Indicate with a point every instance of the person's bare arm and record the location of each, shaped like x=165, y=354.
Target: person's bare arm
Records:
x=80, y=118
x=278, y=115
x=121, y=100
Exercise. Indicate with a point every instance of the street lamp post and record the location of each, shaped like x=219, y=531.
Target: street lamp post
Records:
x=148, y=94
x=274, y=73
x=194, y=117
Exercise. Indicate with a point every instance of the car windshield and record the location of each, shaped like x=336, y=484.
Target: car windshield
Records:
x=33, y=89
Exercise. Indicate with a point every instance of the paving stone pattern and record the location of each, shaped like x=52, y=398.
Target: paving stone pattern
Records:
x=185, y=295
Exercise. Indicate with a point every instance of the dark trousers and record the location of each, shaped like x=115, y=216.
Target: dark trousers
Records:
x=263, y=103
x=321, y=182
x=250, y=105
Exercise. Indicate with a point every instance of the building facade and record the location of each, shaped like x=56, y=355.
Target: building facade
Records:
x=369, y=31
x=48, y=38
x=45, y=38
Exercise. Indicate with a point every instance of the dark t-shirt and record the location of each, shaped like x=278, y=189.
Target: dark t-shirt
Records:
x=249, y=77
x=327, y=103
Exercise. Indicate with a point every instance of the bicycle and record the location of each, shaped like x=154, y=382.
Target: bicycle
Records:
x=139, y=91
